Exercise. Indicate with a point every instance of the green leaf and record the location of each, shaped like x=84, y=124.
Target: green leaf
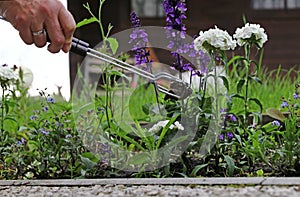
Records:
x=143, y=95
x=240, y=85
x=225, y=82
x=32, y=145
x=275, y=113
x=88, y=164
x=113, y=44
x=260, y=173
x=237, y=96
x=257, y=101
x=235, y=58
x=86, y=22
x=197, y=168
x=256, y=79
x=120, y=74
x=139, y=159
x=230, y=164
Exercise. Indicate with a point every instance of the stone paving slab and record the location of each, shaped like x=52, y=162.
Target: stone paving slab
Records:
x=284, y=181
x=150, y=190
x=136, y=187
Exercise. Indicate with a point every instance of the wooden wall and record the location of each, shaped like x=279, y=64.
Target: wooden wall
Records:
x=282, y=26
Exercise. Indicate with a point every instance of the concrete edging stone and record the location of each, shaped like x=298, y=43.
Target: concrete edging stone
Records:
x=264, y=181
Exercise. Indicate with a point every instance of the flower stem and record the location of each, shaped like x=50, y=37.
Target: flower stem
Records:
x=247, y=65
x=2, y=111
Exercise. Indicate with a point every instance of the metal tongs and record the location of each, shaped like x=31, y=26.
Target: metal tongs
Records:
x=181, y=88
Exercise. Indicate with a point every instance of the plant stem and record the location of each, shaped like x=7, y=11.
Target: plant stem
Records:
x=247, y=65
x=107, y=97
x=99, y=20
x=2, y=111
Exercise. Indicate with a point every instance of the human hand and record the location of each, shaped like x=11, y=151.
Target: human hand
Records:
x=32, y=18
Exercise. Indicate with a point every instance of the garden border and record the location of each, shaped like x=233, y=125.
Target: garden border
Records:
x=264, y=181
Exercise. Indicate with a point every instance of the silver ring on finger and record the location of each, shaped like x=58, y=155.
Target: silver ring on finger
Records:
x=37, y=33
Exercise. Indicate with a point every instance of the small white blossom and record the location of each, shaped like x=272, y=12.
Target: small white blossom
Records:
x=250, y=31
x=216, y=38
x=7, y=74
x=161, y=124
x=178, y=125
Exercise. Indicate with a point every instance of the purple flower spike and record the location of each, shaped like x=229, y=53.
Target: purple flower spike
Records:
x=140, y=39
x=175, y=13
x=176, y=30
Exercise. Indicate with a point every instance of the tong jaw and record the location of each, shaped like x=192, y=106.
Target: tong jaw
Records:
x=182, y=89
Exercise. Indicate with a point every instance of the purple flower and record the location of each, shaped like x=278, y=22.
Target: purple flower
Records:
x=284, y=104
x=33, y=117
x=50, y=100
x=296, y=96
x=176, y=30
x=140, y=39
x=43, y=131
x=187, y=67
x=135, y=20
x=232, y=117
x=221, y=136
x=276, y=123
x=45, y=109
x=175, y=13
x=21, y=142
x=230, y=135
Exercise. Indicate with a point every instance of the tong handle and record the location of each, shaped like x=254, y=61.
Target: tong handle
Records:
x=78, y=46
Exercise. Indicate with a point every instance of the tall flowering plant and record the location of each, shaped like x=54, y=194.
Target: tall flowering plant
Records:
x=140, y=39
x=7, y=78
x=251, y=35
x=175, y=11
x=215, y=42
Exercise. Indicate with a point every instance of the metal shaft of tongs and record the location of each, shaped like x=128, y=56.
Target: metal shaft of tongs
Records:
x=82, y=48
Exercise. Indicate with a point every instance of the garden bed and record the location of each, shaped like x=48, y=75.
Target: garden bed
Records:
x=195, y=128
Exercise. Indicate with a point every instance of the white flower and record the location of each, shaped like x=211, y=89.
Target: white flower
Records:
x=250, y=31
x=162, y=124
x=178, y=125
x=7, y=74
x=216, y=38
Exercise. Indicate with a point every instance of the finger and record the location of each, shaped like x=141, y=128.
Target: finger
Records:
x=26, y=36
x=68, y=25
x=55, y=35
x=38, y=34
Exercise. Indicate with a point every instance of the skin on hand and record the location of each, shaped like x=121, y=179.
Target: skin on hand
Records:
x=29, y=16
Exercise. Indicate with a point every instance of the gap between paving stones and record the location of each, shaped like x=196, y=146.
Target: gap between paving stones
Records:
x=263, y=181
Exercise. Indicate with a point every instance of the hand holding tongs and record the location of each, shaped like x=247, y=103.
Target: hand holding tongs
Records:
x=82, y=48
